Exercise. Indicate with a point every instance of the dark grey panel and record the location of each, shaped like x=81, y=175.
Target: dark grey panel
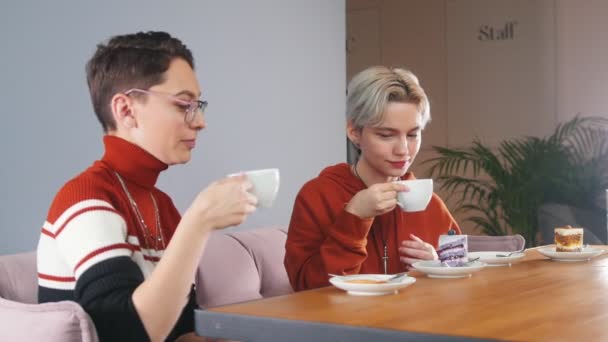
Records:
x=254, y=329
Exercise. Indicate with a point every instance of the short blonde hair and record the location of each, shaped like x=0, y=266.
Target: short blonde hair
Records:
x=370, y=91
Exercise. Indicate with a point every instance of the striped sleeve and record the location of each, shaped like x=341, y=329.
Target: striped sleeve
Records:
x=89, y=232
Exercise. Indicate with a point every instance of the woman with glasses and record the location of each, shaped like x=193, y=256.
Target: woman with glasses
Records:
x=114, y=242
x=346, y=221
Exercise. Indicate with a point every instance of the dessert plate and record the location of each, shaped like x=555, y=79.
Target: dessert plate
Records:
x=493, y=259
x=370, y=284
x=586, y=254
x=434, y=269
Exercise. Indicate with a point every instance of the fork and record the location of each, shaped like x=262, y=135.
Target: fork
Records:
x=512, y=253
x=395, y=276
x=466, y=264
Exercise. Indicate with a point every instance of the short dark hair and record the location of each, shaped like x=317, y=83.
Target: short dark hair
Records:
x=137, y=60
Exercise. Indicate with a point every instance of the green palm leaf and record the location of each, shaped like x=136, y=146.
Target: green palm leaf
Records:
x=503, y=189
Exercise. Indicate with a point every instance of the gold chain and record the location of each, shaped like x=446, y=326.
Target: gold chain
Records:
x=357, y=173
x=159, y=231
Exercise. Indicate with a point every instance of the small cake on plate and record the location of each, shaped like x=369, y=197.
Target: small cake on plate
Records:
x=452, y=250
x=568, y=239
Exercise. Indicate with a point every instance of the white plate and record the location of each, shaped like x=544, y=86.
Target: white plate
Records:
x=434, y=269
x=492, y=258
x=342, y=282
x=586, y=254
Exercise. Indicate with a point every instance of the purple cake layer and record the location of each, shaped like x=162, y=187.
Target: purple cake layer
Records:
x=452, y=250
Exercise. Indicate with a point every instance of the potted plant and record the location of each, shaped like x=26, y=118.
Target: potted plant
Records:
x=502, y=188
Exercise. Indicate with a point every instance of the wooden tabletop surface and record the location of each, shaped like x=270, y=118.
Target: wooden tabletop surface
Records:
x=535, y=299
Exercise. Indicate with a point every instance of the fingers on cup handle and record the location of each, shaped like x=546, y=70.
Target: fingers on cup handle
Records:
x=252, y=200
x=399, y=187
x=246, y=184
x=241, y=178
x=250, y=209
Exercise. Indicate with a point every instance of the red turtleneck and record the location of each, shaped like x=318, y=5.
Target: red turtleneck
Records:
x=324, y=238
x=94, y=250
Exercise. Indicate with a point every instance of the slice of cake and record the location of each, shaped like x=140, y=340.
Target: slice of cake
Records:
x=452, y=250
x=568, y=239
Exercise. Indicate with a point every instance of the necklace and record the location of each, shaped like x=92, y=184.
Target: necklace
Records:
x=357, y=174
x=383, y=235
x=150, y=240
x=385, y=257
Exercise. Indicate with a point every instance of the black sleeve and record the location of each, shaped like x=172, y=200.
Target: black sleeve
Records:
x=185, y=324
x=105, y=292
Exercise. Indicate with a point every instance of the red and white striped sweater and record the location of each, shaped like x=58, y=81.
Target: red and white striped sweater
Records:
x=92, y=248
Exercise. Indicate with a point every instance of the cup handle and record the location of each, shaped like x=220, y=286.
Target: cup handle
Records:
x=399, y=205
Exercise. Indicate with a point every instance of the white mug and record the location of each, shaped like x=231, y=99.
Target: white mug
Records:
x=265, y=185
x=419, y=196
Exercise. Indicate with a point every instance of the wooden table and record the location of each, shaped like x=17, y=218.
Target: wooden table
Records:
x=535, y=299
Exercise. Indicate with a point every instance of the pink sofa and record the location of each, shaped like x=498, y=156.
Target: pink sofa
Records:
x=236, y=267
x=242, y=266
x=24, y=320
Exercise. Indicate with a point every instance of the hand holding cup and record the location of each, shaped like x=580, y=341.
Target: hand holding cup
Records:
x=265, y=185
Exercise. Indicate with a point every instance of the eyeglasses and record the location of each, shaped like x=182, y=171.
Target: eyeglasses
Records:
x=191, y=108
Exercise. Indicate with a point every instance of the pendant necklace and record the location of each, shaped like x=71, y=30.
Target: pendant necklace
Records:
x=158, y=242
x=383, y=235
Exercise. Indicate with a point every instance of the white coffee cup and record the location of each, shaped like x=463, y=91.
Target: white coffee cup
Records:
x=265, y=185
x=419, y=196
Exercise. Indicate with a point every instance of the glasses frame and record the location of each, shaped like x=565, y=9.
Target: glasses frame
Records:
x=194, y=106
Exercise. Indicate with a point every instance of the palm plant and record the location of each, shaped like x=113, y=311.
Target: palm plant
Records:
x=503, y=189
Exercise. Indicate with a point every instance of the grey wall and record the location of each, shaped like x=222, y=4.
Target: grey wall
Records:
x=272, y=70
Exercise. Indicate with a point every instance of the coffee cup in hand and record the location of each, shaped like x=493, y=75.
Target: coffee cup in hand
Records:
x=265, y=185
x=419, y=196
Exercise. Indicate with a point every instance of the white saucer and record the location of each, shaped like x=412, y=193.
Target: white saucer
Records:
x=586, y=254
x=434, y=269
x=343, y=282
x=492, y=258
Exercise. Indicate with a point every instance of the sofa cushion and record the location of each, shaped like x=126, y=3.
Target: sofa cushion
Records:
x=507, y=243
x=267, y=247
x=61, y=321
x=18, y=277
x=241, y=266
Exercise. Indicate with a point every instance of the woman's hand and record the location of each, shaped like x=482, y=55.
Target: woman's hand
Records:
x=415, y=250
x=224, y=203
x=375, y=200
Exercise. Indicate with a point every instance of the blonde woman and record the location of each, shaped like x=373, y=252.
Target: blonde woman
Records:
x=346, y=220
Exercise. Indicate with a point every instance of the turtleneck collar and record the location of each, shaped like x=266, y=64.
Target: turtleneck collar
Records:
x=131, y=161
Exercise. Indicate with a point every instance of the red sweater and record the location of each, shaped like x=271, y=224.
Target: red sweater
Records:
x=93, y=249
x=324, y=238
